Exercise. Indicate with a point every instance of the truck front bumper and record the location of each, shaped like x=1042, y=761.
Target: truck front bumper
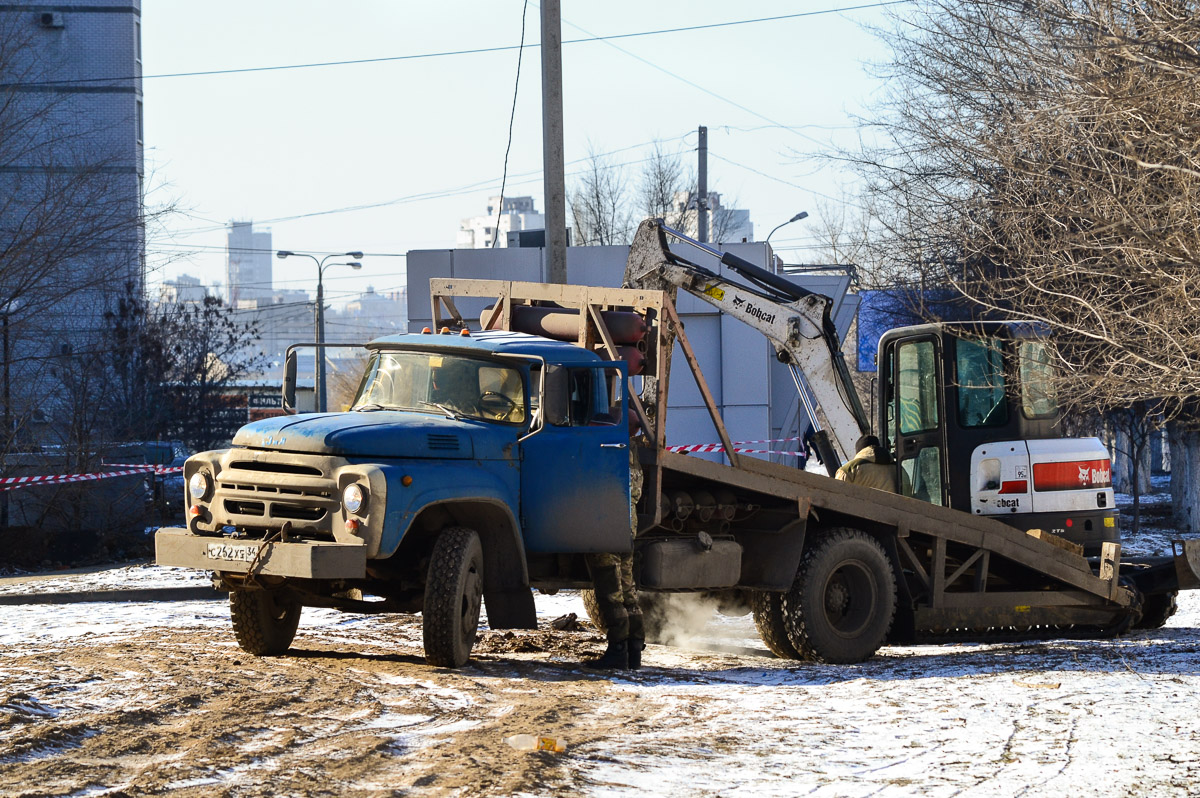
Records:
x=305, y=560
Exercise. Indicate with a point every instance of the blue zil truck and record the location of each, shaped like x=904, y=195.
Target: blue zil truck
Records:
x=482, y=459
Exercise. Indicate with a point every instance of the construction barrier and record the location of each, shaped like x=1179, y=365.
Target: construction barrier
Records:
x=123, y=470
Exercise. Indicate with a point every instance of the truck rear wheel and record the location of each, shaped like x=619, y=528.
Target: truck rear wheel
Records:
x=264, y=621
x=841, y=605
x=768, y=619
x=453, y=595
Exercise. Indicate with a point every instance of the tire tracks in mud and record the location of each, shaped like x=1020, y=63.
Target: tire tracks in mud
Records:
x=187, y=713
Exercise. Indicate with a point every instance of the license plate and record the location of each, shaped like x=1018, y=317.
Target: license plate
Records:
x=230, y=553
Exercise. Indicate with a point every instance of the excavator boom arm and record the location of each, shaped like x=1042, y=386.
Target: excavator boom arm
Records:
x=795, y=321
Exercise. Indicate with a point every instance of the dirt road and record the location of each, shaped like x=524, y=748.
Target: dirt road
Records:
x=156, y=699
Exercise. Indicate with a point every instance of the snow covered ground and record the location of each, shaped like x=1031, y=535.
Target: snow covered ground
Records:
x=141, y=698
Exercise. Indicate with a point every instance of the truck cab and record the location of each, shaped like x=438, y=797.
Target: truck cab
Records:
x=462, y=458
x=971, y=419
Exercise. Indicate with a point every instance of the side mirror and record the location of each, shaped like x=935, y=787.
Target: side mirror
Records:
x=289, y=380
x=554, y=403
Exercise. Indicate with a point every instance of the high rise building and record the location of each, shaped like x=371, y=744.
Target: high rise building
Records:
x=71, y=170
x=248, y=280
x=515, y=213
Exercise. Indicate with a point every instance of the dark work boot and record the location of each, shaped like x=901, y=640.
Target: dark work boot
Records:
x=636, y=644
x=615, y=656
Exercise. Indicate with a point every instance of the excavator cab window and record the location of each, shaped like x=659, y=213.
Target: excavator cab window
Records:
x=1039, y=399
x=917, y=414
x=982, y=401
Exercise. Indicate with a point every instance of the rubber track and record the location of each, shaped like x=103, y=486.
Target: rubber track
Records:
x=442, y=599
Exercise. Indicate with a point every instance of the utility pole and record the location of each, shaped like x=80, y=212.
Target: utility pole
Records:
x=702, y=199
x=553, y=167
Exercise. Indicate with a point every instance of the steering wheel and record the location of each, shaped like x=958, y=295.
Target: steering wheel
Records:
x=496, y=404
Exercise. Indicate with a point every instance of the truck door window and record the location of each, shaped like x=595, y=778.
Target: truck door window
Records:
x=979, y=366
x=1039, y=396
x=590, y=398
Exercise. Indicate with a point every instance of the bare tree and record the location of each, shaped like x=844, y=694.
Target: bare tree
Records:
x=600, y=211
x=1041, y=159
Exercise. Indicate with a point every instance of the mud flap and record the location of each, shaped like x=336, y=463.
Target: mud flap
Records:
x=510, y=609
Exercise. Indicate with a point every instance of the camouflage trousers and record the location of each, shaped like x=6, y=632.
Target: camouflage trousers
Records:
x=612, y=574
x=616, y=594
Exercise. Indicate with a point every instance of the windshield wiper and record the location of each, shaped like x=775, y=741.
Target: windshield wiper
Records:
x=367, y=408
x=449, y=413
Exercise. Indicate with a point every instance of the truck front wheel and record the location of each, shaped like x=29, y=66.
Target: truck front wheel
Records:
x=264, y=621
x=453, y=594
x=841, y=605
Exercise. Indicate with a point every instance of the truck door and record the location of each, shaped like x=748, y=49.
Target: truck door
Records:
x=915, y=418
x=575, y=470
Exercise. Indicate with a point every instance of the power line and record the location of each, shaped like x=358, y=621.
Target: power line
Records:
x=511, y=118
x=449, y=53
x=534, y=176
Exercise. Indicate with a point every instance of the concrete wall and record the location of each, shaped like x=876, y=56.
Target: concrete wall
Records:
x=752, y=389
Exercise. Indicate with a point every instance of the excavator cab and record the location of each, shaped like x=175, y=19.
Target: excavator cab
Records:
x=970, y=416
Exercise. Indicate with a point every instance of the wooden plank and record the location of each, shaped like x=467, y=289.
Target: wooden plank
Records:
x=1055, y=540
x=938, y=569
x=1110, y=566
x=962, y=569
x=918, y=568
x=702, y=384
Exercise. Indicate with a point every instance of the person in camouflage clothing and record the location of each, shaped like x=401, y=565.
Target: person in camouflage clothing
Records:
x=616, y=593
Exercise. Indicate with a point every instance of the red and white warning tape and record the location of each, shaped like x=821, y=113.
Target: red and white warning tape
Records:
x=738, y=446
x=124, y=470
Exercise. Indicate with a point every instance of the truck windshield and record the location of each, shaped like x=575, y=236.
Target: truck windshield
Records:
x=453, y=385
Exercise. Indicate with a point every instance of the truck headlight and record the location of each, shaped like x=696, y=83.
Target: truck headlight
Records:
x=353, y=498
x=198, y=486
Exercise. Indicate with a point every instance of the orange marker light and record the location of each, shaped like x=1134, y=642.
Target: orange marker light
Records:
x=465, y=332
x=426, y=331
x=406, y=480
x=195, y=509
x=351, y=525
x=445, y=331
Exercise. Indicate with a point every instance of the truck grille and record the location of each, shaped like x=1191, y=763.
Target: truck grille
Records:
x=259, y=496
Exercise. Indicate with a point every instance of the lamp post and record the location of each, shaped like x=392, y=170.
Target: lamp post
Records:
x=321, y=266
x=7, y=311
x=796, y=218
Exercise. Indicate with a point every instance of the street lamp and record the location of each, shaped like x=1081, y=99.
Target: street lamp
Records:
x=796, y=218
x=7, y=310
x=321, y=266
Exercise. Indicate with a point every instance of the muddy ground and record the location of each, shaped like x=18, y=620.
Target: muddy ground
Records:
x=129, y=699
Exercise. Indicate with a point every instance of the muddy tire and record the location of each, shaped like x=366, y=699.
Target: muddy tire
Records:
x=654, y=613
x=264, y=621
x=1157, y=610
x=842, y=603
x=768, y=619
x=453, y=595
x=592, y=607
